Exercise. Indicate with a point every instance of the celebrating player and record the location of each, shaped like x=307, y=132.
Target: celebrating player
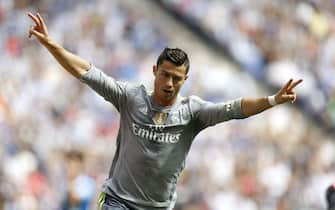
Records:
x=156, y=128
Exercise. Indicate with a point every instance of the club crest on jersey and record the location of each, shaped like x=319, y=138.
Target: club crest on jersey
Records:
x=160, y=118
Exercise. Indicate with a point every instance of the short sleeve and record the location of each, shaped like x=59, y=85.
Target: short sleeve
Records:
x=208, y=114
x=106, y=86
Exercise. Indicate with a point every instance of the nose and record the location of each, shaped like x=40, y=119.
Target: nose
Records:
x=169, y=82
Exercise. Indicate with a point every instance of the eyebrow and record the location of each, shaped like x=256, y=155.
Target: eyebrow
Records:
x=173, y=74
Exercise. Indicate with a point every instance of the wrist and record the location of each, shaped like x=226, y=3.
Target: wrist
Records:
x=46, y=41
x=51, y=45
x=272, y=100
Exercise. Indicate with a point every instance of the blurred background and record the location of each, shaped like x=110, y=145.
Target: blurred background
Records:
x=57, y=137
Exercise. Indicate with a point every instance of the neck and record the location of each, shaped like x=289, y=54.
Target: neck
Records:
x=162, y=102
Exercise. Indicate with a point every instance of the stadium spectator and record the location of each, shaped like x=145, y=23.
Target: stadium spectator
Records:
x=330, y=197
x=80, y=186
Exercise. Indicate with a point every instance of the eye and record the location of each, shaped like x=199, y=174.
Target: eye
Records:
x=177, y=79
x=165, y=74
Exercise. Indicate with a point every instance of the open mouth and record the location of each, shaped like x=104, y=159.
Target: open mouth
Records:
x=168, y=91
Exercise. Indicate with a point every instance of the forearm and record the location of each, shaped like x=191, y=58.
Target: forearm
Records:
x=70, y=62
x=252, y=106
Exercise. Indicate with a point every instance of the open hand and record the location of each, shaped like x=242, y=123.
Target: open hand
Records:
x=40, y=30
x=286, y=93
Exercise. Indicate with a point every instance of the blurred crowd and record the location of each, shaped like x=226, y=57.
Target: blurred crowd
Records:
x=57, y=137
x=270, y=39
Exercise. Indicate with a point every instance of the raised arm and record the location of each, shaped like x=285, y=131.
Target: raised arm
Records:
x=72, y=63
x=254, y=106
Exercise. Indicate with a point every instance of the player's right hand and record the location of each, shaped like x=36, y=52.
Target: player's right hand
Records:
x=40, y=30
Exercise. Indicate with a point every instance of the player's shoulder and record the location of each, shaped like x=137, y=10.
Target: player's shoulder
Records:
x=136, y=90
x=193, y=99
x=133, y=88
x=194, y=102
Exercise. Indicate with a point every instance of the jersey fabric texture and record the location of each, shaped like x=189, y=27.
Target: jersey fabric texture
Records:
x=153, y=141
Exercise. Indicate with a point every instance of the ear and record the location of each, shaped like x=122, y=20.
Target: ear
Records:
x=154, y=69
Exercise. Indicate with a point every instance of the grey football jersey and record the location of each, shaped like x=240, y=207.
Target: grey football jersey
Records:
x=153, y=141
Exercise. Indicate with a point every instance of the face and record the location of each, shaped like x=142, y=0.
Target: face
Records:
x=168, y=81
x=74, y=168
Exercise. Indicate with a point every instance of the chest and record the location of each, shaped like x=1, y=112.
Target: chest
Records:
x=141, y=111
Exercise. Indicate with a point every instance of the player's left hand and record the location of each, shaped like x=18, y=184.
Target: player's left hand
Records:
x=286, y=93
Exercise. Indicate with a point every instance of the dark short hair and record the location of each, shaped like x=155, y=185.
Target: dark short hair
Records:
x=175, y=55
x=75, y=155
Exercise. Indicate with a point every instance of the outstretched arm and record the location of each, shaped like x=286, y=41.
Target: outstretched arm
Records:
x=72, y=63
x=254, y=106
